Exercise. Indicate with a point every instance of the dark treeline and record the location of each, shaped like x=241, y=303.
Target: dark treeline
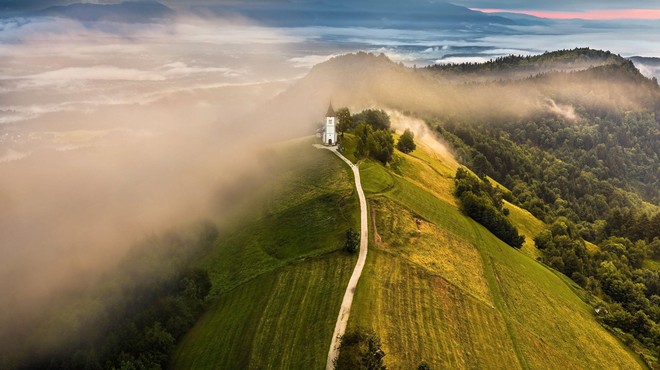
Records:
x=360, y=349
x=561, y=59
x=483, y=202
x=614, y=272
x=160, y=298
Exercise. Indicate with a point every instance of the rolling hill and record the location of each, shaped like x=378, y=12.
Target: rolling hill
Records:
x=437, y=286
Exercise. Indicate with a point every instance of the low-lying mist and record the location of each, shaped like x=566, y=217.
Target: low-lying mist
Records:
x=114, y=133
x=366, y=80
x=112, y=138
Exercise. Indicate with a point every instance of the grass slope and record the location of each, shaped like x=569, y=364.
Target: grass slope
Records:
x=440, y=288
x=437, y=286
x=528, y=226
x=277, y=277
x=421, y=317
x=280, y=320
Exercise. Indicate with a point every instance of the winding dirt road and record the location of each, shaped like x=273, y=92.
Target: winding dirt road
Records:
x=345, y=310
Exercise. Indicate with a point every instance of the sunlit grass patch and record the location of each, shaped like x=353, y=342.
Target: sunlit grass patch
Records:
x=440, y=252
x=421, y=317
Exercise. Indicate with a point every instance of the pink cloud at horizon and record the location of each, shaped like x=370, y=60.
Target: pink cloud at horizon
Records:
x=610, y=14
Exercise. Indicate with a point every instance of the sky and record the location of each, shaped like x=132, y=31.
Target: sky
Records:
x=538, y=6
x=557, y=9
x=559, y=5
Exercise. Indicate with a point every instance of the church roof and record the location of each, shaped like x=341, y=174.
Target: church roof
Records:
x=331, y=112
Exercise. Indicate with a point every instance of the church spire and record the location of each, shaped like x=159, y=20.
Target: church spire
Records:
x=331, y=112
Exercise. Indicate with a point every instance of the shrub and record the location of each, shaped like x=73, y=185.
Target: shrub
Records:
x=352, y=241
x=360, y=349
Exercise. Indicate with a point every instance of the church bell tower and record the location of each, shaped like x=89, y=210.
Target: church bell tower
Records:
x=330, y=132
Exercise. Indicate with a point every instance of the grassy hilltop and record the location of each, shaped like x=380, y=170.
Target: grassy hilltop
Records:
x=437, y=286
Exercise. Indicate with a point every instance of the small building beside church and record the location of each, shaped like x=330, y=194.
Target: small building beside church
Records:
x=329, y=133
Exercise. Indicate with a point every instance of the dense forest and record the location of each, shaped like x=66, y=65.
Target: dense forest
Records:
x=601, y=176
x=595, y=178
x=519, y=66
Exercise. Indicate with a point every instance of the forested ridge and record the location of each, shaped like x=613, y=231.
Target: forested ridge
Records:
x=523, y=66
x=591, y=170
x=589, y=173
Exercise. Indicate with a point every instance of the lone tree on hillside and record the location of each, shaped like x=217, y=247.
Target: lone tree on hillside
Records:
x=360, y=349
x=352, y=241
x=406, y=142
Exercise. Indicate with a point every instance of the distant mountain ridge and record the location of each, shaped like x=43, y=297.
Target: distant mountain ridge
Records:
x=517, y=66
x=414, y=15
x=143, y=11
x=588, y=79
x=417, y=14
x=650, y=67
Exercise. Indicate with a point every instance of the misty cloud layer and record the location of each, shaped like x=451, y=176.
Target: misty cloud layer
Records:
x=112, y=132
x=108, y=138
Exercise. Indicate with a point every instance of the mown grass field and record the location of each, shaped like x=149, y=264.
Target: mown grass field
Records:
x=278, y=277
x=433, y=273
x=282, y=319
x=421, y=243
x=528, y=226
x=421, y=317
x=303, y=210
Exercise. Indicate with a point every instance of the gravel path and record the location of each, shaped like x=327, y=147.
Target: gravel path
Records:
x=345, y=310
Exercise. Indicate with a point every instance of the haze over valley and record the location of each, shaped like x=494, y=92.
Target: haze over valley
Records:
x=143, y=142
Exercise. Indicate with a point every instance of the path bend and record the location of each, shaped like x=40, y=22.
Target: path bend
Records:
x=345, y=310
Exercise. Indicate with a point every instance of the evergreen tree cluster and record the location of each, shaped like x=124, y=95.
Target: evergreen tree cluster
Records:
x=372, y=129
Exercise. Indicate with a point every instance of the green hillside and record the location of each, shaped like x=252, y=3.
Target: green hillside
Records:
x=278, y=320
x=440, y=288
x=278, y=276
x=437, y=286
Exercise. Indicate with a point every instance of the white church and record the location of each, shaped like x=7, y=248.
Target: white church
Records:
x=329, y=131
